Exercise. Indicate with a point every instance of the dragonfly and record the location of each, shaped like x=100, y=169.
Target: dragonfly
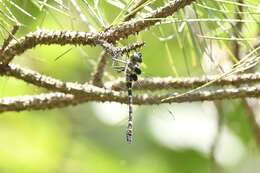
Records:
x=131, y=70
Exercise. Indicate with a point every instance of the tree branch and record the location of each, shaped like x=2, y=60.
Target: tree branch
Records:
x=56, y=100
x=111, y=35
x=100, y=69
x=50, y=83
x=152, y=84
x=158, y=83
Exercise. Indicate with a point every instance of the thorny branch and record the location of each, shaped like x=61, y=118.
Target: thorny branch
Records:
x=66, y=93
x=100, y=69
x=40, y=80
x=55, y=100
x=159, y=83
x=111, y=35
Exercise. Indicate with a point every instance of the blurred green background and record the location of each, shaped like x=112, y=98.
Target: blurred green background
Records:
x=91, y=137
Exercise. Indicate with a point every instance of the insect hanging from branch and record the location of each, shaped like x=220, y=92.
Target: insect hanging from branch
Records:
x=131, y=70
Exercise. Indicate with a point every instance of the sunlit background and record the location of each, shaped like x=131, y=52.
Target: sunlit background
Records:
x=90, y=138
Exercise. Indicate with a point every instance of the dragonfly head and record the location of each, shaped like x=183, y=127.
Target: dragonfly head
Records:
x=137, y=57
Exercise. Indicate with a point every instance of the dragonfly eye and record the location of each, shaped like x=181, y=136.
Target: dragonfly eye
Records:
x=134, y=77
x=137, y=57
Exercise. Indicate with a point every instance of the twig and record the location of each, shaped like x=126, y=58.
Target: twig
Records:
x=56, y=100
x=99, y=71
x=135, y=26
x=48, y=37
x=111, y=35
x=159, y=83
x=39, y=102
x=50, y=83
x=53, y=84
